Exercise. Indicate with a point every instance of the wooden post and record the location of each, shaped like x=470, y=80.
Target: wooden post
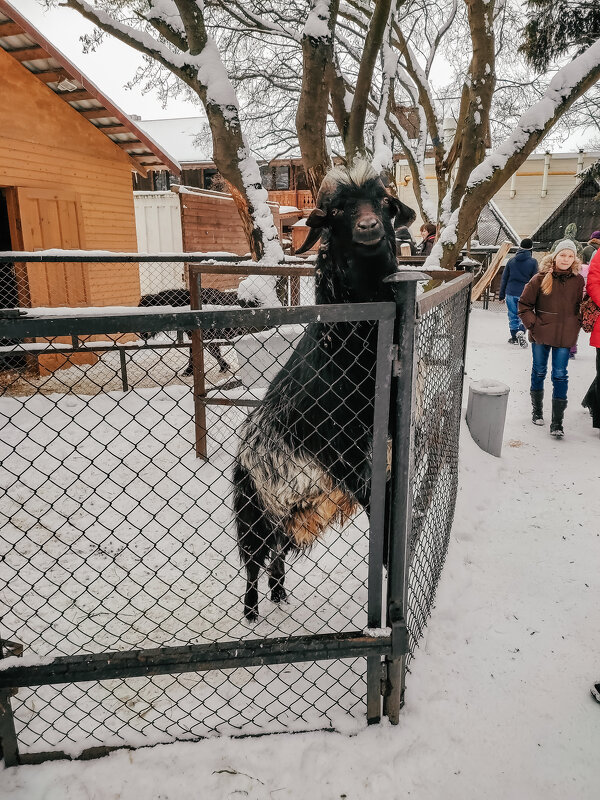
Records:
x=488, y=276
x=197, y=357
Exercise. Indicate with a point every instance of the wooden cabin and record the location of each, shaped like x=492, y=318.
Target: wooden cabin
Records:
x=66, y=159
x=581, y=207
x=187, y=138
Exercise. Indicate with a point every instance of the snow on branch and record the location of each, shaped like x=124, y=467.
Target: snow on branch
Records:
x=139, y=40
x=382, y=146
x=165, y=11
x=566, y=86
x=417, y=169
x=317, y=23
x=240, y=12
x=206, y=68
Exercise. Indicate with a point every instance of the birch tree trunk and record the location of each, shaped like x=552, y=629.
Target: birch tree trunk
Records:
x=195, y=59
x=567, y=85
x=313, y=105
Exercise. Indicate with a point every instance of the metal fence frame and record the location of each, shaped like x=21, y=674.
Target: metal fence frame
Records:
x=387, y=650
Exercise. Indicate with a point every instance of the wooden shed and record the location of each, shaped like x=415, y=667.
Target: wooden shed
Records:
x=581, y=207
x=190, y=221
x=66, y=158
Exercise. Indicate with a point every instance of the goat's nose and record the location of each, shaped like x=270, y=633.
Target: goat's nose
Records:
x=367, y=223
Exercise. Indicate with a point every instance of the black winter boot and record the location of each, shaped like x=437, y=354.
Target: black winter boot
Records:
x=537, y=406
x=558, y=410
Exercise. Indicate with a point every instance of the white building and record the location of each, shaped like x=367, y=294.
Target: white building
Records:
x=526, y=199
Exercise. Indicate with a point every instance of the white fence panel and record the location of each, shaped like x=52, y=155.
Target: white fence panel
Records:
x=158, y=225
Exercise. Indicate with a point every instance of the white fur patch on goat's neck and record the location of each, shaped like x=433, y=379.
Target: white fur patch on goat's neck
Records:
x=358, y=174
x=282, y=476
x=292, y=487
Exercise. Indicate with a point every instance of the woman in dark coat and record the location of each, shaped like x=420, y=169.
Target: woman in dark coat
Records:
x=428, y=232
x=549, y=309
x=592, y=399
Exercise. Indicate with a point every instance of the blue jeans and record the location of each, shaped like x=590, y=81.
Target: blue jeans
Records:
x=514, y=323
x=560, y=360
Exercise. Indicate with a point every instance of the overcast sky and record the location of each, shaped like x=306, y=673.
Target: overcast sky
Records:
x=110, y=67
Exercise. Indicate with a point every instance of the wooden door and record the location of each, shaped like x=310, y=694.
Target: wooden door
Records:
x=52, y=219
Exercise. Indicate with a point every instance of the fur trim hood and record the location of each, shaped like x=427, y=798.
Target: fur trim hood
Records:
x=547, y=264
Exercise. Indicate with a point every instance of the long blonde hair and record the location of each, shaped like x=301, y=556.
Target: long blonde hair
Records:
x=547, y=266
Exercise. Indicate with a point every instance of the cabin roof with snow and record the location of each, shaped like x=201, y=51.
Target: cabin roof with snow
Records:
x=20, y=39
x=181, y=136
x=581, y=206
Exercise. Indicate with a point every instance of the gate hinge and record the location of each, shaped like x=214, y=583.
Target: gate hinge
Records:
x=399, y=631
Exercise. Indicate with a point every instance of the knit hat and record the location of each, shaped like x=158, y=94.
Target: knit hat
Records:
x=566, y=244
x=526, y=244
x=595, y=235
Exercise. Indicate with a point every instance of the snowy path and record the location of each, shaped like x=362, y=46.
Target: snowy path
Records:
x=498, y=704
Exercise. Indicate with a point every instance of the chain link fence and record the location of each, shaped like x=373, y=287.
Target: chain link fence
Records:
x=99, y=283
x=440, y=348
x=120, y=579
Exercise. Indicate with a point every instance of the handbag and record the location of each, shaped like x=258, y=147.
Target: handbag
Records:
x=589, y=313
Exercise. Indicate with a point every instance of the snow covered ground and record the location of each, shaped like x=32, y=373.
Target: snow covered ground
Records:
x=498, y=702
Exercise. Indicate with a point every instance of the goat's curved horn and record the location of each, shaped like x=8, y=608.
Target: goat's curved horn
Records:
x=313, y=237
x=317, y=217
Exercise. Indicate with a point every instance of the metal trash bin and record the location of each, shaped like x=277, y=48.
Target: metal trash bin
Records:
x=486, y=414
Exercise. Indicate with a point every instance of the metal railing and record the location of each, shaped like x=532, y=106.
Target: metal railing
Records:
x=119, y=577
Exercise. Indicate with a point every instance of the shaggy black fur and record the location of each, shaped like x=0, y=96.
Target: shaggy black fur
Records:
x=319, y=407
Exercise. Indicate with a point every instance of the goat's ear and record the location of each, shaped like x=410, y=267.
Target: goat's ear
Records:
x=316, y=218
x=404, y=214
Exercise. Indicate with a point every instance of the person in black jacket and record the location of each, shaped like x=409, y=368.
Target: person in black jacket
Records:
x=428, y=233
x=518, y=271
x=403, y=236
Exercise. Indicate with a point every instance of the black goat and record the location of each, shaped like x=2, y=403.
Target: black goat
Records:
x=179, y=298
x=304, y=457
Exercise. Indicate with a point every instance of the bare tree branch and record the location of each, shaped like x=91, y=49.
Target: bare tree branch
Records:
x=355, y=138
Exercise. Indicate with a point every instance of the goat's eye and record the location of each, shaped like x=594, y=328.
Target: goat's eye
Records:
x=386, y=201
x=336, y=212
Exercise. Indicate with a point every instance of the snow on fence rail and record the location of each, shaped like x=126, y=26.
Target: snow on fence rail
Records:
x=120, y=577
x=78, y=278
x=55, y=282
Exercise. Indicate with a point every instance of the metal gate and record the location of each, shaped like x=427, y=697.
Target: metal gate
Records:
x=120, y=585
